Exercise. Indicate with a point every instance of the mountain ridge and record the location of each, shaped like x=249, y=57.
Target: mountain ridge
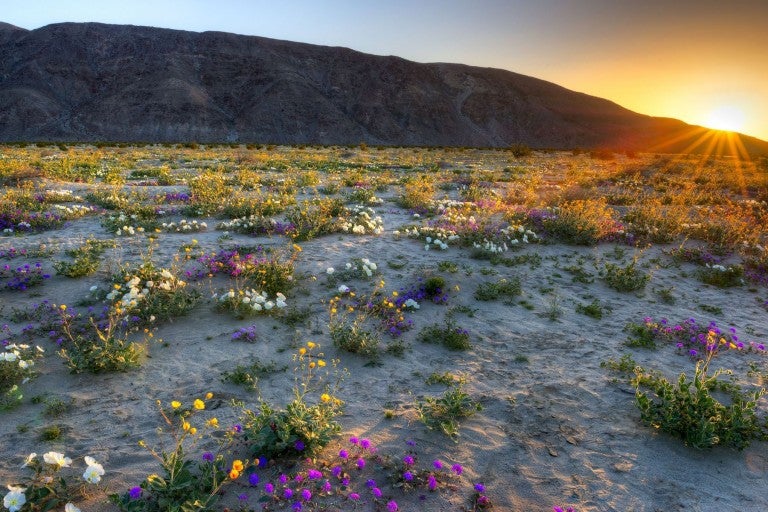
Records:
x=85, y=82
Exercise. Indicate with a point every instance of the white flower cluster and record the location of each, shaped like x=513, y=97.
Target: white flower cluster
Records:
x=245, y=223
x=362, y=220
x=410, y=304
x=184, y=226
x=73, y=212
x=517, y=234
x=719, y=268
x=129, y=230
x=20, y=354
x=437, y=237
x=255, y=300
x=134, y=291
x=16, y=498
x=363, y=265
x=61, y=195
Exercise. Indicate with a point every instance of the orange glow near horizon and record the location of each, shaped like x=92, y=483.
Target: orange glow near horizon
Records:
x=726, y=117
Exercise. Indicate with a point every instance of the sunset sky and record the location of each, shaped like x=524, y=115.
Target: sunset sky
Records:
x=702, y=61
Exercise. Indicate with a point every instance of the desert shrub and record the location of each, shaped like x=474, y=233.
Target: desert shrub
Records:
x=308, y=422
x=652, y=221
x=53, y=484
x=593, y=310
x=87, y=259
x=448, y=334
x=418, y=191
x=503, y=288
x=315, y=217
x=183, y=483
x=104, y=347
x=581, y=222
x=520, y=150
x=689, y=410
x=721, y=276
x=625, y=278
x=352, y=336
x=16, y=367
x=208, y=193
x=444, y=412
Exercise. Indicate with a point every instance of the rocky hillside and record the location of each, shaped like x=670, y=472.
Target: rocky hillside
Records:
x=89, y=82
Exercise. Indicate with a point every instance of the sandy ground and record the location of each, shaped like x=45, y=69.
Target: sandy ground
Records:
x=556, y=428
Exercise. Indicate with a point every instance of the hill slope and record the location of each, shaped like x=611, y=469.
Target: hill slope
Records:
x=89, y=81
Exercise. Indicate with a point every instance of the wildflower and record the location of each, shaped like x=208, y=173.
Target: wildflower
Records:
x=320, y=363
x=314, y=474
x=208, y=457
x=269, y=488
x=392, y=506
x=283, y=479
x=354, y=496
x=93, y=472
x=306, y=495
x=360, y=463
x=327, y=486
x=287, y=494
x=343, y=454
x=437, y=464
x=135, y=493
x=199, y=404
x=253, y=479
x=296, y=505
x=336, y=471
x=57, y=459
x=311, y=344
x=376, y=492
x=213, y=422
x=408, y=476
x=234, y=474
x=432, y=482
x=175, y=404
x=479, y=487
x=30, y=458
x=15, y=499
x=457, y=469
x=365, y=444
x=408, y=460
x=299, y=446
x=208, y=395
x=69, y=507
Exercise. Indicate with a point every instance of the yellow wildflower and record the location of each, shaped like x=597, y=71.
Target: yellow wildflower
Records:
x=213, y=422
x=325, y=398
x=199, y=404
x=312, y=364
x=234, y=474
x=296, y=248
x=63, y=307
x=237, y=465
x=320, y=363
x=185, y=426
x=193, y=430
x=208, y=395
x=302, y=351
x=311, y=344
x=175, y=404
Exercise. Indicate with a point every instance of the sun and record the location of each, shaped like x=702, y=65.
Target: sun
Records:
x=726, y=117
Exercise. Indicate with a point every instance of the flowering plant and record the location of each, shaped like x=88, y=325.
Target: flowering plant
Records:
x=16, y=368
x=50, y=486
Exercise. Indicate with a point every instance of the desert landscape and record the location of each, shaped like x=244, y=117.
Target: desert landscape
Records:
x=353, y=327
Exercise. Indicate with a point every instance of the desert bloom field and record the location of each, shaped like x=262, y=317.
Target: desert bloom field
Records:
x=246, y=328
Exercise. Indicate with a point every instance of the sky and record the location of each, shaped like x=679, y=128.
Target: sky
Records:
x=702, y=61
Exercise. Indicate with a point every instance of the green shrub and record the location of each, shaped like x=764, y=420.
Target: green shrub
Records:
x=689, y=410
x=447, y=334
x=444, y=412
x=503, y=288
x=307, y=423
x=722, y=277
x=625, y=279
x=582, y=222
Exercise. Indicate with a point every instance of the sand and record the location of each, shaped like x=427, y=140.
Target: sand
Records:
x=555, y=429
